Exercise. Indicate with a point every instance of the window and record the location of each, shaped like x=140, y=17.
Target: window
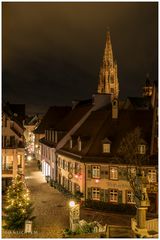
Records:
x=112, y=90
x=113, y=173
x=141, y=149
x=12, y=141
x=79, y=144
x=152, y=176
x=77, y=168
x=95, y=193
x=113, y=195
x=106, y=147
x=9, y=162
x=112, y=79
x=76, y=188
x=95, y=171
x=19, y=157
x=132, y=171
x=70, y=143
x=130, y=197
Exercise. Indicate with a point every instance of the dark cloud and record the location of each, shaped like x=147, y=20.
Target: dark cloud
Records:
x=52, y=51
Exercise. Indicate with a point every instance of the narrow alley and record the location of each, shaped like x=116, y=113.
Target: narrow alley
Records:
x=50, y=206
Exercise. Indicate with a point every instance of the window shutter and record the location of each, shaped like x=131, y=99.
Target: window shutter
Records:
x=102, y=195
x=104, y=172
x=89, y=193
x=89, y=173
x=119, y=196
x=106, y=195
x=66, y=166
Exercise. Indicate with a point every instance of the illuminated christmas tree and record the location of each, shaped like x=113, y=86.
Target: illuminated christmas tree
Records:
x=18, y=207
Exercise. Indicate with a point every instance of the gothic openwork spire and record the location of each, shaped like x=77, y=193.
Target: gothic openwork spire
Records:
x=108, y=79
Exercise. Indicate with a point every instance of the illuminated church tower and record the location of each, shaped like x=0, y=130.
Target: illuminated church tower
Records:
x=108, y=79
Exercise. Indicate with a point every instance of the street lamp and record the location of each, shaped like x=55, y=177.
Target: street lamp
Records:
x=72, y=203
x=74, y=215
x=29, y=158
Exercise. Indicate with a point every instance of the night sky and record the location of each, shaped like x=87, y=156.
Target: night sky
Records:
x=52, y=52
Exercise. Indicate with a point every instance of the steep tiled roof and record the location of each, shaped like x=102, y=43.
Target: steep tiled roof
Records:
x=13, y=117
x=52, y=117
x=74, y=116
x=100, y=125
x=139, y=102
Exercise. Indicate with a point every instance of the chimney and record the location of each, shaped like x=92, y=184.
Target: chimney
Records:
x=115, y=108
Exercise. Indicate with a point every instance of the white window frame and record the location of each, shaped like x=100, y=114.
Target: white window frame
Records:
x=142, y=149
x=96, y=193
x=113, y=195
x=96, y=171
x=113, y=173
x=152, y=175
x=106, y=147
x=130, y=197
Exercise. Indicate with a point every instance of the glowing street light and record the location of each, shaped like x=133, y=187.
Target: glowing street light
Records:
x=74, y=215
x=72, y=203
x=29, y=158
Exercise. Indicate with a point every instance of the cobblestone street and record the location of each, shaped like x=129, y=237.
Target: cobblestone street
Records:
x=50, y=206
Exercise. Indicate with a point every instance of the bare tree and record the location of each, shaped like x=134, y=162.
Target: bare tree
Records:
x=128, y=150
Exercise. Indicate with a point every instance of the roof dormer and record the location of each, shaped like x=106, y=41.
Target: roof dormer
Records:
x=106, y=145
x=79, y=144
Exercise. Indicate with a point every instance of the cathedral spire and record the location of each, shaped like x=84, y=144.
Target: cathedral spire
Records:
x=108, y=80
x=108, y=54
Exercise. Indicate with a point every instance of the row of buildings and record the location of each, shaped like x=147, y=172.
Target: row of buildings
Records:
x=79, y=147
x=17, y=140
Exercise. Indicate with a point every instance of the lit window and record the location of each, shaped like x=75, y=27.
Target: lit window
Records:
x=95, y=171
x=19, y=157
x=112, y=79
x=9, y=162
x=106, y=147
x=95, y=193
x=141, y=149
x=113, y=173
x=113, y=195
x=152, y=176
x=130, y=197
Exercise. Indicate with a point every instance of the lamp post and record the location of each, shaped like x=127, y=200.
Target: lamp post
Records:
x=74, y=215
